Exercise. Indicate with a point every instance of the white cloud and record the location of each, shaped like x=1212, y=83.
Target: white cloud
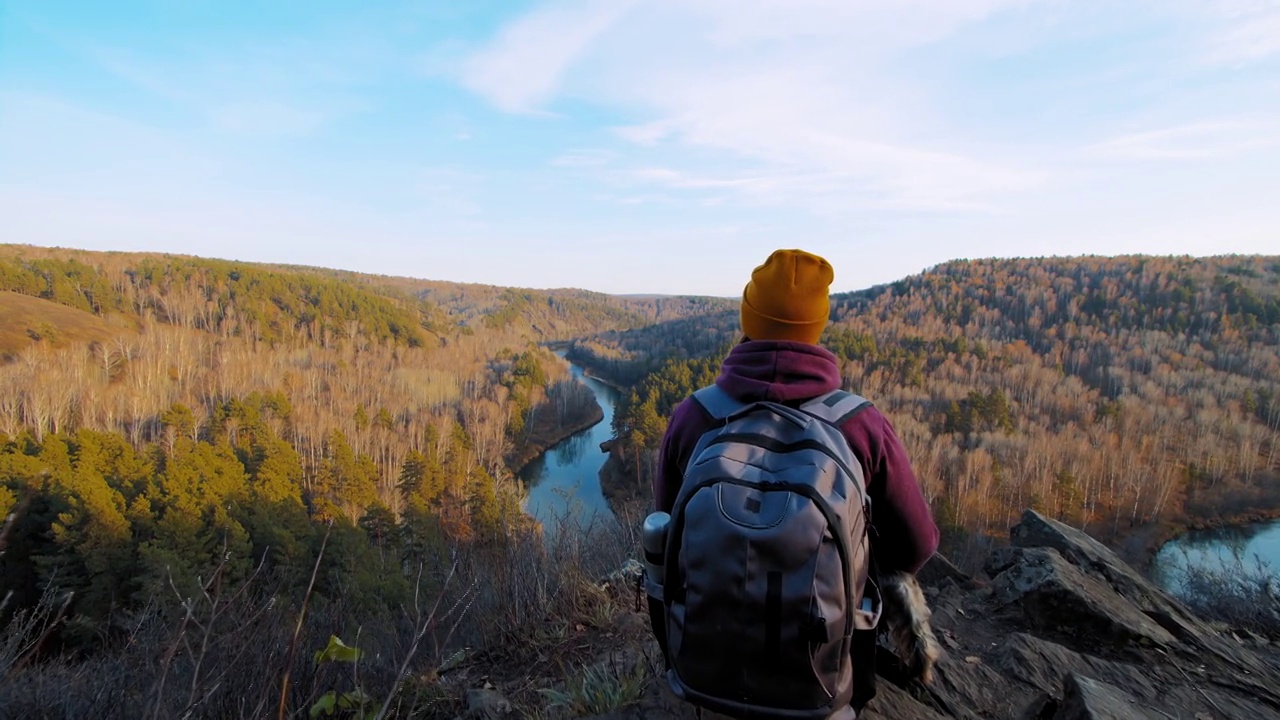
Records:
x=47, y=141
x=1211, y=139
x=885, y=134
x=796, y=89
x=1246, y=31
x=891, y=179
x=583, y=158
x=285, y=89
x=649, y=134
x=881, y=24
x=266, y=117
x=919, y=129
x=524, y=65
x=449, y=193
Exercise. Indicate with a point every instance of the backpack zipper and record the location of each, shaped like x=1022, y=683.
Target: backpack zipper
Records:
x=777, y=446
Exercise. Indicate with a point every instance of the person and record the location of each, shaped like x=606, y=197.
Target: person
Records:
x=784, y=311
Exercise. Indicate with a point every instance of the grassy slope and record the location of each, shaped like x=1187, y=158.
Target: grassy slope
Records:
x=24, y=318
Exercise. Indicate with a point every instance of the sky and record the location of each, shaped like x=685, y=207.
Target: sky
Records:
x=640, y=146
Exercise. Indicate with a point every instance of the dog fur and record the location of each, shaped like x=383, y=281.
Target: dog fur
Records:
x=906, y=615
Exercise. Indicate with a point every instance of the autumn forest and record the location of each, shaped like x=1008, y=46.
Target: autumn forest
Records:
x=1114, y=393
x=349, y=442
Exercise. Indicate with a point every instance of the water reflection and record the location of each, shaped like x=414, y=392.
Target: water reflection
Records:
x=564, y=483
x=1235, y=538
x=1251, y=548
x=573, y=450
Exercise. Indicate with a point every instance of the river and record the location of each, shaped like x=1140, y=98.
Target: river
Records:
x=565, y=480
x=1239, y=548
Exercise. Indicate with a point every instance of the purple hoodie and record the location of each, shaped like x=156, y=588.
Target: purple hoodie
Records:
x=785, y=371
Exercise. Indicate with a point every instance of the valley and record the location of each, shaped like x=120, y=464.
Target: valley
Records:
x=357, y=444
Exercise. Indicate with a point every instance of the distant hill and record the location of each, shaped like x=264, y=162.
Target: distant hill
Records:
x=1005, y=299
x=275, y=301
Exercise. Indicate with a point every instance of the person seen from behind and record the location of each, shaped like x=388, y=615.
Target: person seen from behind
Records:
x=785, y=309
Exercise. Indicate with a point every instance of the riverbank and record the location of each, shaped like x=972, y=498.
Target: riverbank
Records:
x=594, y=368
x=1139, y=545
x=546, y=432
x=603, y=381
x=626, y=496
x=1206, y=508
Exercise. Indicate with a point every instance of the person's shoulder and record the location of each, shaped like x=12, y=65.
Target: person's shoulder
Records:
x=686, y=423
x=868, y=421
x=688, y=403
x=688, y=410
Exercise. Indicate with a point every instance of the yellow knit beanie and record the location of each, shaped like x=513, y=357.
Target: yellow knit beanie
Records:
x=787, y=298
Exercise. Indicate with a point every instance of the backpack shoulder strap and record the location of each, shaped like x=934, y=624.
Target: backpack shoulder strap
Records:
x=836, y=407
x=718, y=403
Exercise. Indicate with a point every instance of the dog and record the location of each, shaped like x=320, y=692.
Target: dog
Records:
x=906, y=617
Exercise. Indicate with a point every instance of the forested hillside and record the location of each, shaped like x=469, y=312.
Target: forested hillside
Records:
x=1110, y=392
x=628, y=356
x=161, y=416
x=203, y=448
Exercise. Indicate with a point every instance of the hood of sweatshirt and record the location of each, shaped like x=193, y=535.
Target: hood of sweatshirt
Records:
x=778, y=371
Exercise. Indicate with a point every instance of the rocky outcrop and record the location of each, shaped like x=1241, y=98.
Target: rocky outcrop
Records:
x=1061, y=629
x=1086, y=699
x=1057, y=596
x=1037, y=531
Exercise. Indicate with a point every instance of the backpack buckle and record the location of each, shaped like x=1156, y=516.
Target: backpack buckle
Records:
x=814, y=630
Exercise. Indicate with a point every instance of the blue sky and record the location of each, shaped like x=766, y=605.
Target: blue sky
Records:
x=641, y=145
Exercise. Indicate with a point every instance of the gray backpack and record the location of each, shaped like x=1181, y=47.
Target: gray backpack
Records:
x=767, y=561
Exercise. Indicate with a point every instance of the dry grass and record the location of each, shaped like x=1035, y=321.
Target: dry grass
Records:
x=25, y=320
x=533, y=619
x=545, y=610
x=600, y=688
x=226, y=657
x=1241, y=594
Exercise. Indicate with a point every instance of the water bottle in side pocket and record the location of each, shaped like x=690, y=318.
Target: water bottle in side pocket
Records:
x=653, y=538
